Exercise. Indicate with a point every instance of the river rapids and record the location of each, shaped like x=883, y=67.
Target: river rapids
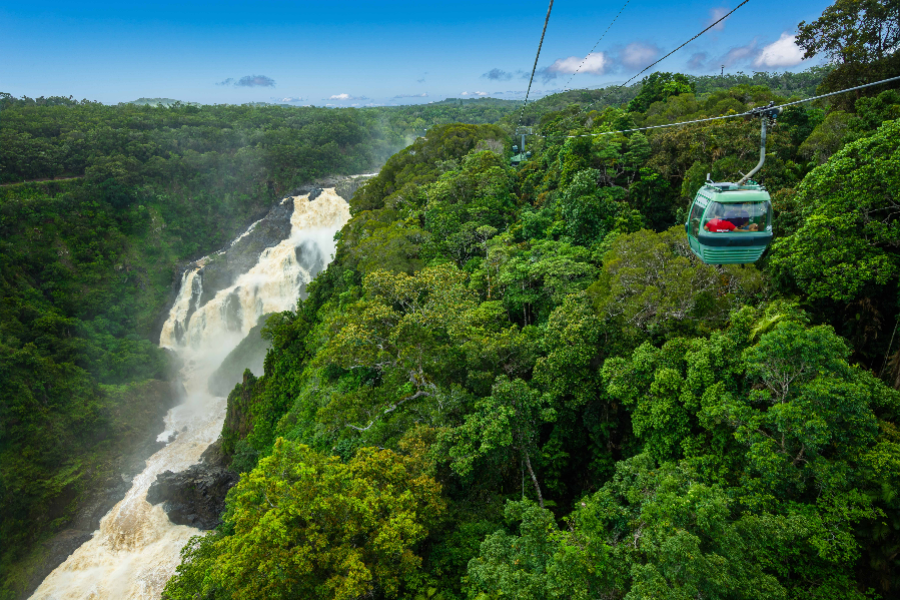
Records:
x=136, y=549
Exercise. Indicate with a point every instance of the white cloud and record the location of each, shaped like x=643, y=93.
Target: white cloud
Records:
x=422, y=95
x=474, y=94
x=783, y=53
x=715, y=14
x=346, y=97
x=595, y=63
x=637, y=55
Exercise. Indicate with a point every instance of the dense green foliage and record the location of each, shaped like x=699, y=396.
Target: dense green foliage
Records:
x=658, y=87
x=520, y=382
x=607, y=416
x=234, y=146
x=87, y=265
x=357, y=523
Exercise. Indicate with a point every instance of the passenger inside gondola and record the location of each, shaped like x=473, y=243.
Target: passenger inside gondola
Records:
x=716, y=223
x=736, y=218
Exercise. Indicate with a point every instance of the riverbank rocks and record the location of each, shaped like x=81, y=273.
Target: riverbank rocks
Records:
x=195, y=496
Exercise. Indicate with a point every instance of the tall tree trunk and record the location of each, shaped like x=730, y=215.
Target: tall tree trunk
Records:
x=537, y=487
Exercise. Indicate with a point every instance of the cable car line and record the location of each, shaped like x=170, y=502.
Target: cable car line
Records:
x=661, y=59
x=753, y=112
x=536, y=57
x=853, y=89
x=743, y=114
x=572, y=76
x=731, y=223
x=727, y=223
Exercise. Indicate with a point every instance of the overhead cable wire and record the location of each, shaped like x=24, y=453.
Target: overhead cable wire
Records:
x=743, y=114
x=536, y=57
x=647, y=68
x=571, y=77
x=853, y=89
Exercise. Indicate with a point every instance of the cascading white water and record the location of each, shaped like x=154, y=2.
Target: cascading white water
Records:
x=137, y=548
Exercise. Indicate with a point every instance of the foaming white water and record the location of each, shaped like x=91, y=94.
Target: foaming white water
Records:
x=137, y=548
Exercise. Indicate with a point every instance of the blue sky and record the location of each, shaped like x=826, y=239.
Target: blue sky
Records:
x=346, y=52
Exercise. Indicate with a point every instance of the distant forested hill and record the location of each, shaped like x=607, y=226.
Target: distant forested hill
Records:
x=786, y=84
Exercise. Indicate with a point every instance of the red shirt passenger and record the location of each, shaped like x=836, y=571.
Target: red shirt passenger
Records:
x=719, y=225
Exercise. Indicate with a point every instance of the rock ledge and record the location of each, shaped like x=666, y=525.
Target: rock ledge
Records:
x=195, y=496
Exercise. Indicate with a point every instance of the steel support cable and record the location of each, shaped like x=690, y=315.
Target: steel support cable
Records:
x=853, y=89
x=647, y=68
x=571, y=77
x=536, y=57
x=743, y=114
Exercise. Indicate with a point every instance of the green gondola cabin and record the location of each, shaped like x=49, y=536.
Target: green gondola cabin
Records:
x=730, y=223
x=519, y=157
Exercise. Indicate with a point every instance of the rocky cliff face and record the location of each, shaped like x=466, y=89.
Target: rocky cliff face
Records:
x=220, y=273
x=195, y=496
x=225, y=268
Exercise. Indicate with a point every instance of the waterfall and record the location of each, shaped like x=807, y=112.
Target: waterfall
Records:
x=136, y=549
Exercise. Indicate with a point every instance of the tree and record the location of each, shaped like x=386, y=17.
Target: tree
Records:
x=307, y=525
x=770, y=412
x=536, y=278
x=468, y=206
x=515, y=566
x=588, y=210
x=401, y=334
x=652, y=280
x=860, y=36
x=846, y=245
x=669, y=535
x=508, y=419
x=658, y=86
x=853, y=31
x=651, y=532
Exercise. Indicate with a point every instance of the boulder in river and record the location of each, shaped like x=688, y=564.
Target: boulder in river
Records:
x=195, y=496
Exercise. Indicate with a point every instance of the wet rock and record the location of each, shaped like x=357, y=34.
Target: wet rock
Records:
x=238, y=425
x=249, y=354
x=310, y=257
x=64, y=543
x=346, y=187
x=224, y=268
x=195, y=496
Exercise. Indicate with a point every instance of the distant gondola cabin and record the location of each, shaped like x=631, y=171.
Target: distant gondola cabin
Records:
x=518, y=157
x=730, y=224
